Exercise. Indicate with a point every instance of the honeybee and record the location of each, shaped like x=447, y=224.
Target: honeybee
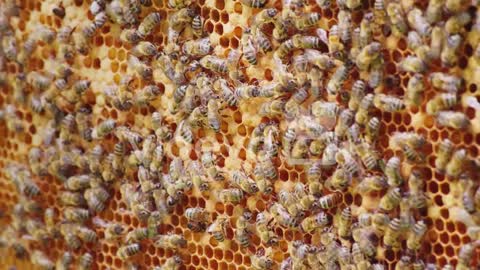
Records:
x=324, y=109
x=415, y=236
x=436, y=42
x=368, y=156
x=172, y=263
x=77, y=182
x=452, y=119
x=249, y=49
x=196, y=214
x=64, y=262
x=231, y=195
x=456, y=23
x=103, y=129
x=391, y=239
x=39, y=259
x=283, y=49
x=345, y=24
x=88, y=31
x=72, y=198
x=185, y=131
x=413, y=64
x=329, y=201
x=292, y=106
x=242, y=232
x=306, y=20
x=372, y=130
x=376, y=75
x=146, y=95
x=321, y=60
x=213, y=116
x=423, y=51
x=9, y=46
x=449, y=55
x=49, y=220
x=164, y=63
x=291, y=203
x=80, y=42
x=136, y=235
x=324, y=4
x=418, y=265
x=412, y=155
x=465, y=254
x=357, y=95
x=450, y=83
x=214, y=63
x=95, y=198
x=414, y=92
x=311, y=223
x=94, y=158
x=75, y=214
x=113, y=231
x=170, y=241
x=261, y=260
x=197, y=26
x=306, y=42
x=335, y=45
x=35, y=155
x=244, y=182
x=434, y=11
x=272, y=108
x=379, y=222
x=359, y=258
x=140, y=67
x=85, y=234
x=144, y=48
x=441, y=102
x=282, y=216
x=126, y=251
x=445, y=150
x=456, y=163
x=300, y=148
x=217, y=228
x=418, y=22
x=72, y=241
x=153, y=221
x=390, y=200
x=366, y=31
x=129, y=36
x=361, y=117
x=227, y=93
x=179, y=4
x=254, y=3
x=288, y=138
x=368, y=55
x=148, y=24
x=198, y=177
x=392, y=171
x=38, y=81
x=388, y=103
x=413, y=139
x=339, y=179
x=264, y=231
x=397, y=19
x=454, y=7
x=197, y=48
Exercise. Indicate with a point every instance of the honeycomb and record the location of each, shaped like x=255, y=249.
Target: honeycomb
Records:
x=230, y=182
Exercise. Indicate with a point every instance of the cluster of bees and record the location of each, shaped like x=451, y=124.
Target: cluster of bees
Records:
x=316, y=115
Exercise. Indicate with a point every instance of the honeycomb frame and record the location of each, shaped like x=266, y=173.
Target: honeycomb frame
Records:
x=450, y=226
